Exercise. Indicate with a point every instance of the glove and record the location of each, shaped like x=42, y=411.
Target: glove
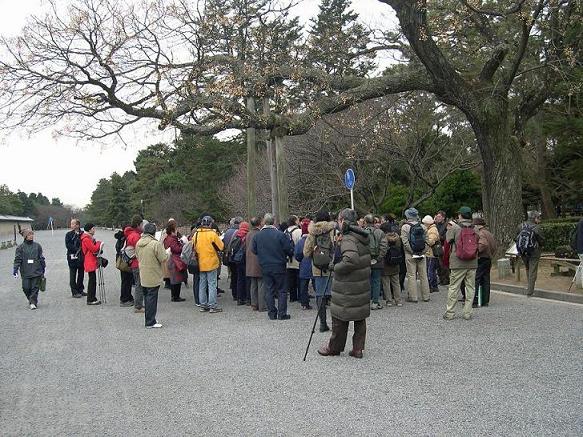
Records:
x=15, y=274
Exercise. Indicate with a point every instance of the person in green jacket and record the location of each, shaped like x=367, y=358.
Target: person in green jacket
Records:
x=30, y=262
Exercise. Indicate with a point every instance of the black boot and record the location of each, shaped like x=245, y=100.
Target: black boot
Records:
x=321, y=303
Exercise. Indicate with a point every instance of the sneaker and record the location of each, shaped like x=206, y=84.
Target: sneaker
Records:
x=154, y=326
x=447, y=317
x=139, y=310
x=197, y=305
x=215, y=310
x=399, y=304
x=467, y=316
x=126, y=304
x=376, y=306
x=95, y=302
x=77, y=295
x=203, y=309
x=33, y=306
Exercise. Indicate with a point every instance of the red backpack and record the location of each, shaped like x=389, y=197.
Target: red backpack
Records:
x=466, y=247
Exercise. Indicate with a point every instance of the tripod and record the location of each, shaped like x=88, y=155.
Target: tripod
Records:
x=101, y=283
x=322, y=302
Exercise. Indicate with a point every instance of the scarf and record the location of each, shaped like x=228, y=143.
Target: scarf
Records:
x=243, y=230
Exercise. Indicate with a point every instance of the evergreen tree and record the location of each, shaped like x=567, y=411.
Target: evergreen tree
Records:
x=97, y=211
x=118, y=211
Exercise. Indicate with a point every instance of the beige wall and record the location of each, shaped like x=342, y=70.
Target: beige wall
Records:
x=7, y=232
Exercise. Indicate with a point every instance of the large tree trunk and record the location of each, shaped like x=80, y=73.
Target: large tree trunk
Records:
x=251, y=165
x=501, y=177
x=271, y=163
x=282, y=201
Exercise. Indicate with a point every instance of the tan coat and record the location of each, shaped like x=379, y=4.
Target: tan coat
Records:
x=151, y=256
x=252, y=267
x=432, y=238
x=315, y=229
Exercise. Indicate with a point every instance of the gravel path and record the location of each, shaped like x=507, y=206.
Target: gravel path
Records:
x=72, y=369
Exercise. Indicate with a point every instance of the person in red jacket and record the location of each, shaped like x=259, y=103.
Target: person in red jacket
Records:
x=133, y=233
x=176, y=266
x=90, y=248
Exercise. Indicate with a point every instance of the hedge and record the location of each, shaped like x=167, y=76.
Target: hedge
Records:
x=563, y=220
x=557, y=234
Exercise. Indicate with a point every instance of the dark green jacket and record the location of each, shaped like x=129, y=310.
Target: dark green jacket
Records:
x=351, y=284
x=29, y=260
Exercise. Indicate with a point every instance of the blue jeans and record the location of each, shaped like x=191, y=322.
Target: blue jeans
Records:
x=375, y=284
x=274, y=284
x=432, y=264
x=320, y=286
x=210, y=279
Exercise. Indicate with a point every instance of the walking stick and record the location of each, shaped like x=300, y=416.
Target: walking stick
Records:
x=322, y=302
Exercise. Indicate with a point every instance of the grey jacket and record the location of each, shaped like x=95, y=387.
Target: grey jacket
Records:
x=351, y=284
x=29, y=260
x=382, y=242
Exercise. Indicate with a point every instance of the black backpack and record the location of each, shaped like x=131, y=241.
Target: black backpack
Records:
x=394, y=255
x=526, y=241
x=417, y=239
x=235, y=252
x=289, y=235
x=323, y=251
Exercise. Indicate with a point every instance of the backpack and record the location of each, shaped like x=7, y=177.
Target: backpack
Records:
x=466, y=247
x=236, y=250
x=394, y=255
x=417, y=239
x=323, y=251
x=189, y=256
x=289, y=235
x=526, y=241
x=373, y=244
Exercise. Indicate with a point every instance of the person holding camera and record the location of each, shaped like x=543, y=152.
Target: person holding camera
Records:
x=350, y=288
x=75, y=259
x=90, y=248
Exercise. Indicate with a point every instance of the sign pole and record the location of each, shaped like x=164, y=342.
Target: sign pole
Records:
x=351, y=199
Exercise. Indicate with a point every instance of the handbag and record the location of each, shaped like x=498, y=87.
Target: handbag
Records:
x=192, y=265
x=437, y=250
x=122, y=265
x=42, y=284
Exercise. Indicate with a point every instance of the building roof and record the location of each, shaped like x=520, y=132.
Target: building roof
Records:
x=12, y=218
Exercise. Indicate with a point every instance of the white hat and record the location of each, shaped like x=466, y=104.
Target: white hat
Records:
x=427, y=220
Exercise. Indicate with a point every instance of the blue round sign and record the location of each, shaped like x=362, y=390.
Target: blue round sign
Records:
x=349, y=179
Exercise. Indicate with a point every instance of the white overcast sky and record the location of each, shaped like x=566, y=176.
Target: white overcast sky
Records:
x=64, y=168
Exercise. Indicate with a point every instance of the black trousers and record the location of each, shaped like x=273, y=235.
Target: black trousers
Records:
x=233, y=273
x=175, y=290
x=483, y=280
x=293, y=283
x=76, y=275
x=150, y=304
x=127, y=280
x=195, y=279
x=242, y=294
x=92, y=287
x=30, y=289
x=340, y=332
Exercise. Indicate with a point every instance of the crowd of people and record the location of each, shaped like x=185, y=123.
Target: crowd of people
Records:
x=354, y=265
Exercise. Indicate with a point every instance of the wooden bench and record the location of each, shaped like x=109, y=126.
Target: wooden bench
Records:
x=556, y=263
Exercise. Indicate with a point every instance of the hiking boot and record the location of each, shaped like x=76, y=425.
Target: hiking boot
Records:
x=326, y=352
x=448, y=317
x=139, y=310
x=355, y=353
x=95, y=302
x=324, y=327
x=215, y=310
x=467, y=316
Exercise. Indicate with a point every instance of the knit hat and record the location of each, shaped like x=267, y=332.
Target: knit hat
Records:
x=150, y=229
x=206, y=221
x=479, y=221
x=88, y=226
x=411, y=213
x=26, y=232
x=466, y=212
x=428, y=220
